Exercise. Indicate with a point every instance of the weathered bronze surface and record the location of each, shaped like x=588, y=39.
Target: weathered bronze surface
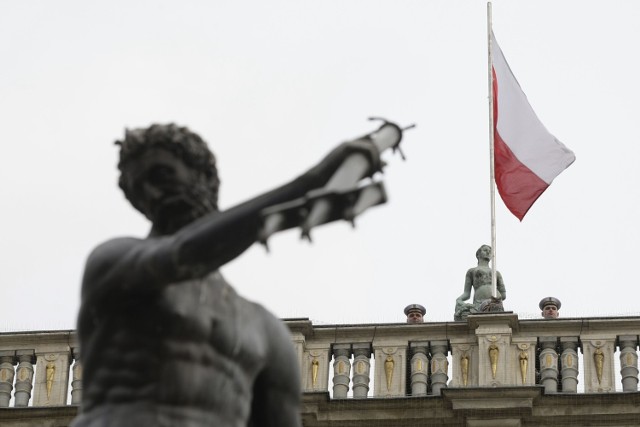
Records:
x=166, y=341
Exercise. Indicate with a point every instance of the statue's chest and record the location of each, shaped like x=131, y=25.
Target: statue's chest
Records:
x=204, y=311
x=482, y=274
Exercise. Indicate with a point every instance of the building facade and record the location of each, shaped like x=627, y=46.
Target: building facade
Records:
x=491, y=370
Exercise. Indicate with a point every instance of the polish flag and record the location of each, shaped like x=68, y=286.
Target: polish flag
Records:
x=526, y=156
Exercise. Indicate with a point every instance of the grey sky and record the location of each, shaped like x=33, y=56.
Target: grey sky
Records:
x=273, y=86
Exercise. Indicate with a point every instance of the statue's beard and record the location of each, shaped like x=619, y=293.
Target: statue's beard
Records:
x=180, y=209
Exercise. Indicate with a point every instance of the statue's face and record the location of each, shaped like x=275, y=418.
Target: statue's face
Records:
x=162, y=186
x=414, y=317
x=550, y=311
x=484, y=252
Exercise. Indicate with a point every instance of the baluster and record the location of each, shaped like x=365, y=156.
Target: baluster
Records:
x=628, y=362
x=549, y=364
x=341, y=370
x=361, y=369
x=7, y=359
x=419, y=366
x=570, y=366
x=439, y=366
x=24, y=380
x=76, y=381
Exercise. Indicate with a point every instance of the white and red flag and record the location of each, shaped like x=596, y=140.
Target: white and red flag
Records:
x=526, y=156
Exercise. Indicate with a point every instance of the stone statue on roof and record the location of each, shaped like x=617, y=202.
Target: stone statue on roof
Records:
x=478, y=279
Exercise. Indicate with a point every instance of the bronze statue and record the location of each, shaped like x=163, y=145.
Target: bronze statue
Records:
x=479, y=279
x=165, y=340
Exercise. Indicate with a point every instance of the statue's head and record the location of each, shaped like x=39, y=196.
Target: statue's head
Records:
x=415, y=313
x=484, y=252
x=550, y=307
x=168, y=173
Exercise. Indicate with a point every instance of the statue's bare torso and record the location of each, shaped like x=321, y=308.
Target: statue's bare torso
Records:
x=165, y=341
x=189, y=354
x=481, y=282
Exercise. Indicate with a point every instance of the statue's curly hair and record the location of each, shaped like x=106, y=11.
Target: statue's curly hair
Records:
x=180, y=141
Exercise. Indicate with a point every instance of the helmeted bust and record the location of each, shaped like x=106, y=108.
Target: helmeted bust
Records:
x=415, y=313
x=550, y=307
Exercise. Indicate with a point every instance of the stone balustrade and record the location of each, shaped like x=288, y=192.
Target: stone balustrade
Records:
x=35, y=369
x=486, y=350
x=385, y=360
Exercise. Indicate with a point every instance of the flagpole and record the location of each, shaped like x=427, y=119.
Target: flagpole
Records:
x=492, y=156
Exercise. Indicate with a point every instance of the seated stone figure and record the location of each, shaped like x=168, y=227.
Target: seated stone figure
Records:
x=479, y=279
x=165, y=340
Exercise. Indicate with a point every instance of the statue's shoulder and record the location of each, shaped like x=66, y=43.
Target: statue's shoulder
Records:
x=112, y=249
x=271, y=326
x=107, y=256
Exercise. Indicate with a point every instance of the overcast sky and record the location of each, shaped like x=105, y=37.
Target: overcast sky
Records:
x=273, y=86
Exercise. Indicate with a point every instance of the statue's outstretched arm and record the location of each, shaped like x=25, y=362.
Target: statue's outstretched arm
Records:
x=125, y=266
x=218, y=238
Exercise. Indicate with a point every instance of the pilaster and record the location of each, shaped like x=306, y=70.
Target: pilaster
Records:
x=52, y=378
x=599, y=371
x=390, y=369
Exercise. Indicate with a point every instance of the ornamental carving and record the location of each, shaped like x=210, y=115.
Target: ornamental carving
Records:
x=524, y=363
x=389, y=364
x=598, y=358
x=315, y=365
x=464, y=368
x=493, y=358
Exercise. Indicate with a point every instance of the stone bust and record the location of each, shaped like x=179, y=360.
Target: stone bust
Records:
x=165, y=340
x=478, y=279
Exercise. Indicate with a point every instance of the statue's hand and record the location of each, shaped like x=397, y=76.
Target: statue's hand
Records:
x=328, y=166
